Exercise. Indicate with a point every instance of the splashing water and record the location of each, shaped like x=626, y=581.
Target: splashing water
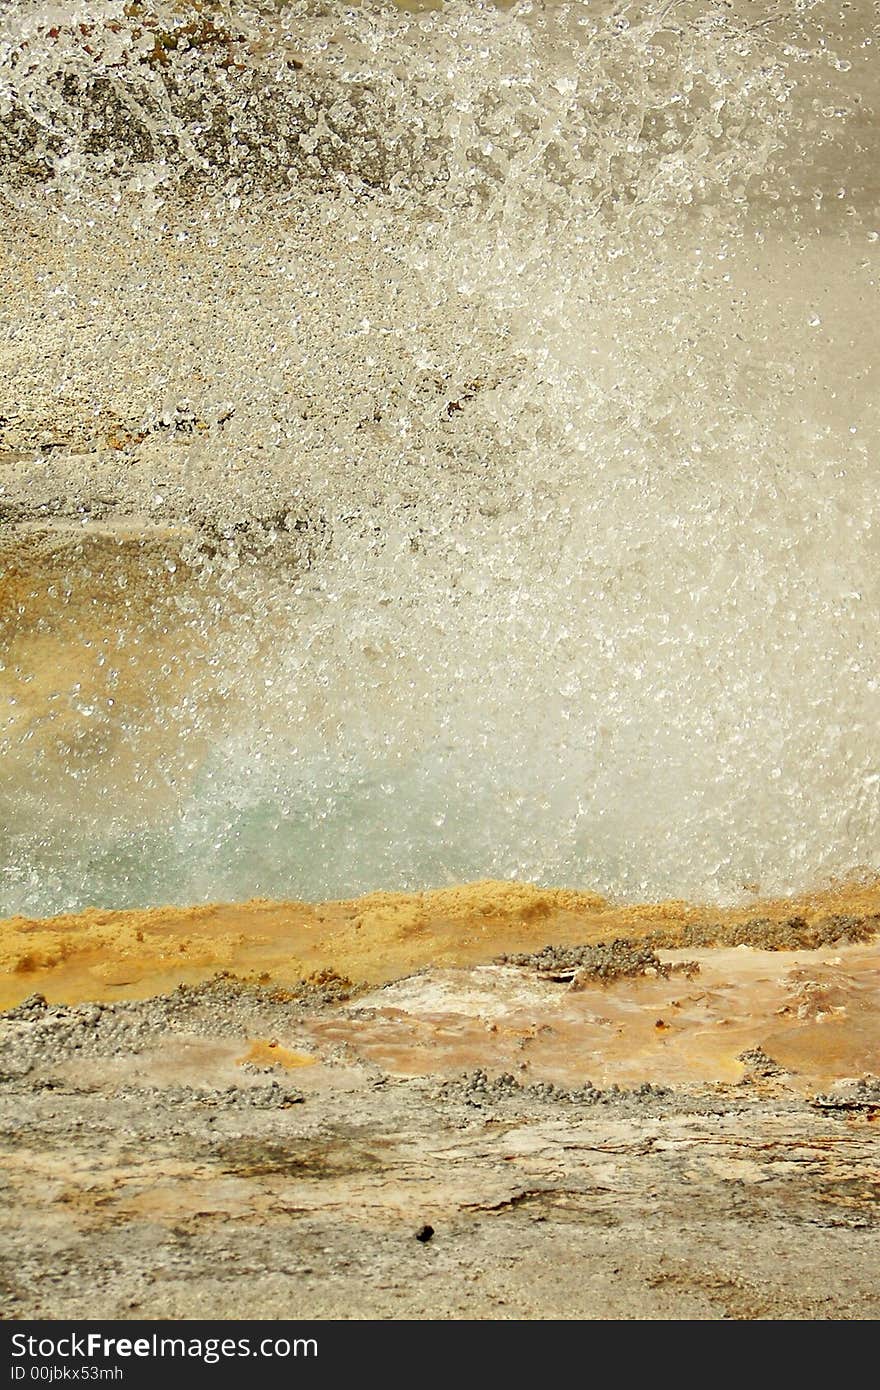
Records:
x=437, y=445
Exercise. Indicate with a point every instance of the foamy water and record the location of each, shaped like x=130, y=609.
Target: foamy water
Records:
x=509, y=377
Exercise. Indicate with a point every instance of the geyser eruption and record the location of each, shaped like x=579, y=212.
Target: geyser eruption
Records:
x=437, y=445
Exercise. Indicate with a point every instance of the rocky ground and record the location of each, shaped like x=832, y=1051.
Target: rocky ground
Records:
x=237, y=1149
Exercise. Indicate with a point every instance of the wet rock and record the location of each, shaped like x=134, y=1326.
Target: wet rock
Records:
x=862, y=1095
x=791, y=934
x=758, y=1064
x=580, y=965
x=478, y=1089
x=30, y=1010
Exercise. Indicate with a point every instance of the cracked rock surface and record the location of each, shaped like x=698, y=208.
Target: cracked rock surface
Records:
x=242, y=1150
